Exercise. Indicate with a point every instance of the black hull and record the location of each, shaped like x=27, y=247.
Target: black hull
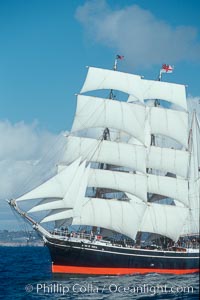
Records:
x=70, y=257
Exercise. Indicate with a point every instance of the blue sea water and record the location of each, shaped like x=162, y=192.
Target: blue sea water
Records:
x=25, y=273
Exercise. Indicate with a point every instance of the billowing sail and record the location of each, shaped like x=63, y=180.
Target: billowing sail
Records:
x=134, y=184
x=120, y=216
x=98, y=79
x=93, y=112
x=166, y=220
x=132, y=156
x=171, y=123
x=168, y=160
x=56, y=186
x=174, y=188
x=151, y=89
x=115, y=153
x=75, y=191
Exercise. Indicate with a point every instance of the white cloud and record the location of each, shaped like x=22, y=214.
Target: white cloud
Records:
x=28, y=156
x=26, y=153
x=137, y=34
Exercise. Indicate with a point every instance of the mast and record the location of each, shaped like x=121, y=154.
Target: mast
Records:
x=117, y=58
x=106, y=132
x=106, y=135
x=165, y=69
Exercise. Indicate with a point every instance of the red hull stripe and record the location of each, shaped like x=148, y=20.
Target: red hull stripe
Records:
x=116, y=271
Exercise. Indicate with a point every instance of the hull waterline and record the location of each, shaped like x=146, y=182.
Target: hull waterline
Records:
x=85, y=258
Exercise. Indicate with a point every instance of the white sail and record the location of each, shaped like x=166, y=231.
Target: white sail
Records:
x=119, y=154
x=129, y=156
x=73, y=199
x=139, y=185
x=171, y=123
x=126, y=182
x=192, y=223
x=98, y=79
x=76, y=188
x=168, y=160
x=191, y=226
x=171, y=92
x=120, y=216
x=127, y=217
x=77, y=208
x=63, y=214
x=166, y=220
x=48, y=206
x=56, y=186
x=93, y=112
x=194, y=169
x=174, y=188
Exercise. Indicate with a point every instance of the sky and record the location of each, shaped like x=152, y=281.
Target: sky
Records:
x=45, y=46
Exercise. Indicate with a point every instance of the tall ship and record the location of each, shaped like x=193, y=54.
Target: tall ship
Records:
x=125, y=197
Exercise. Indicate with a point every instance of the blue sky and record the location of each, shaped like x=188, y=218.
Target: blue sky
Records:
x=45, y=48
x=46, y=44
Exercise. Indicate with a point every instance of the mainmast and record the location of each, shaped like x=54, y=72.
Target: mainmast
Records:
x=165, y=69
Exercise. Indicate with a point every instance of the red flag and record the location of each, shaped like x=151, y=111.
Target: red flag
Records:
x=166, y=69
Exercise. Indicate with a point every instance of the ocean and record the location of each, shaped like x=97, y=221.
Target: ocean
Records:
x=25, y=273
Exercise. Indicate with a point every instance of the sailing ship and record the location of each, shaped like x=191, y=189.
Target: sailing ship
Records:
x=125, y=198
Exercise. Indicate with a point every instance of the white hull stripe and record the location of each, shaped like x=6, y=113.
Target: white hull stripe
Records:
x=121, y=253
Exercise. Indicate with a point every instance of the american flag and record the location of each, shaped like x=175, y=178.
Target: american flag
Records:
x=119, y=57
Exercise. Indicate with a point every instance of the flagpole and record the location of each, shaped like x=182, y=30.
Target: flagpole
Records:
x=115, y=64
x=160, y=76
x=111, y=95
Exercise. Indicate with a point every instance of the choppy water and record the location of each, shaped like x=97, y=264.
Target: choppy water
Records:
x=25, y=273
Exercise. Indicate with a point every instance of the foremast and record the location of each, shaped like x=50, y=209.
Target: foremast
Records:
x=106, y=137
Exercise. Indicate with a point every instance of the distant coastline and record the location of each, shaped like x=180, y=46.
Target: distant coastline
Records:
x=20, y=239
x=22, y=244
